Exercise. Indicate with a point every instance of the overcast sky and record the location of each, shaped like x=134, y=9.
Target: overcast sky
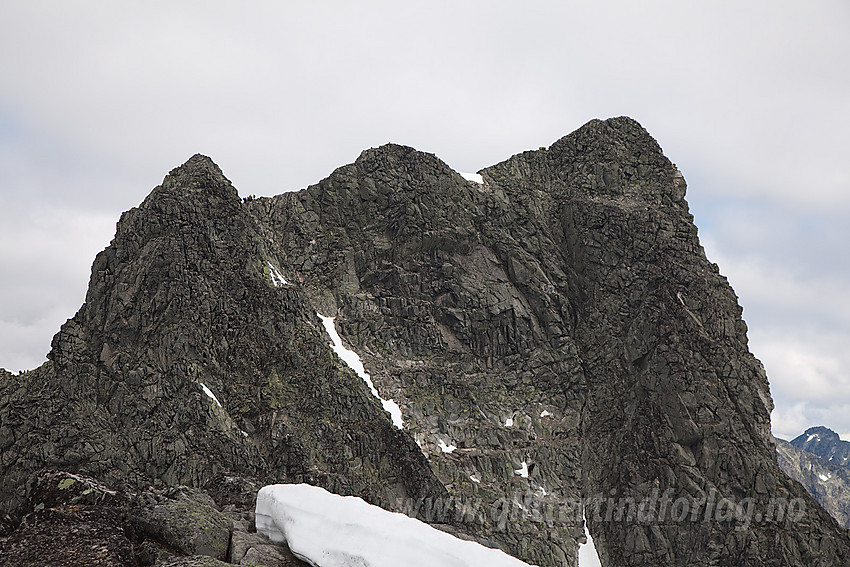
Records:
x=99, y=100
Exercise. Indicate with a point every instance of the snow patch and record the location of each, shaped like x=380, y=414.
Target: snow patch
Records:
x=446, y=448
x=277, y=278
x=509, y=422
x=325, y=529
x=825, y=477
x=352, y=359
x=587, y=556
x=474, y=479
x=474, y=177
x=209, y=394
x=545, y=413
x=812, y=436
x=523, y=470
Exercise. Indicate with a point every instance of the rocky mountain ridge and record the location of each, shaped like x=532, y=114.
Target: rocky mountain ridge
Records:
x=825, y=443
x=565, y=298
x=827, y=481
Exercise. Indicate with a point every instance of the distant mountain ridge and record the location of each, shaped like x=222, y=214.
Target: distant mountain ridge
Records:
x=824, y=443
x=827, y=481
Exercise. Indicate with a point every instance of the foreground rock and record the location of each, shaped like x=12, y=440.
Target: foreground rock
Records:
x=552, y=334
x=75, y=520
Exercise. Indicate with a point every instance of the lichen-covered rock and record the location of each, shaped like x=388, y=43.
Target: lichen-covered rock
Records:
x=256, y=549
x=234, y=491
x=186, y=524
x=49, y=489
x=71, y=519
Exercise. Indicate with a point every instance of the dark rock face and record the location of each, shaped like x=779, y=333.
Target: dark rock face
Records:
x=827, y=482
x=559, y=325
x=180, y=300
x=824, y=443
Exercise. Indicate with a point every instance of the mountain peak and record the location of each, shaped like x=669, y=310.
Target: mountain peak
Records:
x=620, y=139
x=198, y=172
x=401, y=160
x=198, y=178
x=559, y=326
x=825, y=433
x=825, y=443
x=825, y=479
x=614, y=159
x=389, y=149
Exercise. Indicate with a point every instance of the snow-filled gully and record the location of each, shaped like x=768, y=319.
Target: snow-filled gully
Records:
x=352, y=359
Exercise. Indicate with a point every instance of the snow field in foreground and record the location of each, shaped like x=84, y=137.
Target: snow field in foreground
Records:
x=329, y=530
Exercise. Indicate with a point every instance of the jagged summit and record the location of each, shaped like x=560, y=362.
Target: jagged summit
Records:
x=198, y=172
x=389, y=151
x=618, y=140
x=400, y=164
x=198, y=178
x=553, y=335
x=620, y=128
x=825, y=443
x=820, y=431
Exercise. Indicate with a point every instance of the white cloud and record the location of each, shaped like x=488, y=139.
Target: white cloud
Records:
x=296, y=90
x=798, y=324
x=806, y=365
x=789, y=422
x=46, y=258
x=769, y=290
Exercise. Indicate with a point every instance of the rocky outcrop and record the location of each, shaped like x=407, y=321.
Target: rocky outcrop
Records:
x=825, y=443
x=186, y=361
x=72, y=519
x=552, y=334
x=826, y=481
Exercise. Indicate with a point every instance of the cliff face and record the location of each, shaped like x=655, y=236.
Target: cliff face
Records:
x=558, y=324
